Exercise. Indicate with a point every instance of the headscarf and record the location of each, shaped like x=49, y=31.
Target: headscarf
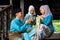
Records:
x=47, y=10
x=30, y=8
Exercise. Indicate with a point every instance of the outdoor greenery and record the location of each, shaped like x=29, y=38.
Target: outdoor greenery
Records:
x=56, y=24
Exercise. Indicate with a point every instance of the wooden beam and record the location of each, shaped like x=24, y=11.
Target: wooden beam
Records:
x=22, y=5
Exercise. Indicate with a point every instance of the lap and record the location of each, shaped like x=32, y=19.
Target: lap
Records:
x=15, y=36
x=45, y=32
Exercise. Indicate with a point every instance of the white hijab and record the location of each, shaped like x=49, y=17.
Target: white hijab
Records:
x=47, y=9
x=31, y=7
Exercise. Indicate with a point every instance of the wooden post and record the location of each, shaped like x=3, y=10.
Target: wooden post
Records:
x=22, y=5
x=10, y=2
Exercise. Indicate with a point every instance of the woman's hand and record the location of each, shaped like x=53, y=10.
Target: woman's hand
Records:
x=32, y=19
x=39, y=17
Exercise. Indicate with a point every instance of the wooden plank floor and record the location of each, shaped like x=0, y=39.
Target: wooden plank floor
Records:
x=55, y=36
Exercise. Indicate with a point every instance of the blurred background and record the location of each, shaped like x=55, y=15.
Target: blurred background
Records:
x=6, y=6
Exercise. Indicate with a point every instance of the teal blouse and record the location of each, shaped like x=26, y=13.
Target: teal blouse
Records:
x=48, y=22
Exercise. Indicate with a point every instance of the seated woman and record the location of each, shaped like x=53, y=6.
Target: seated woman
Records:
x=46, y=27
x=17, y=27
x=31, y=16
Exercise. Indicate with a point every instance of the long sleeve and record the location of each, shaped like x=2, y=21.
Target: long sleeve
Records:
x=16, y=27
x=47, y=20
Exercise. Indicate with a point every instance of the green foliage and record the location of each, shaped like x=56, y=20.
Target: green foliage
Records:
x=56, y=24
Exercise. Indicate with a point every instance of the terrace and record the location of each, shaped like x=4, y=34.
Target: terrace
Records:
x=6, y=16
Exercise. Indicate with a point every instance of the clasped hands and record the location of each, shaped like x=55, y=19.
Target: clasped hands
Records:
x=29, y=21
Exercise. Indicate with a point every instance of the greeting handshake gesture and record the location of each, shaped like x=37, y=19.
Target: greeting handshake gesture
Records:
x=29, y=21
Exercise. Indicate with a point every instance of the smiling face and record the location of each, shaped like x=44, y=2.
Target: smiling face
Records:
x=42, y=11
x=32, y=11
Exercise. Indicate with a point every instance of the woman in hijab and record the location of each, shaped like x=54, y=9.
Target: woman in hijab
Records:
x=31, y=16
x=45, y=22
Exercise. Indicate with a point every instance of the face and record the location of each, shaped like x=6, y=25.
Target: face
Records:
x=32, y=11
x=19, y=14
x=42, y=11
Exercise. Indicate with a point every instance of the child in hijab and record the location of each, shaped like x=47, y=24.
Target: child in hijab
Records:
x=45, y=22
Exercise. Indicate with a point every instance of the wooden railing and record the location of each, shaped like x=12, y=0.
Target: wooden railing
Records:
x=5, y=18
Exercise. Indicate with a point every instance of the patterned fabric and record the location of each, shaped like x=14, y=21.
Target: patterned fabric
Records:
x=15, y=36
x=44, y=31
